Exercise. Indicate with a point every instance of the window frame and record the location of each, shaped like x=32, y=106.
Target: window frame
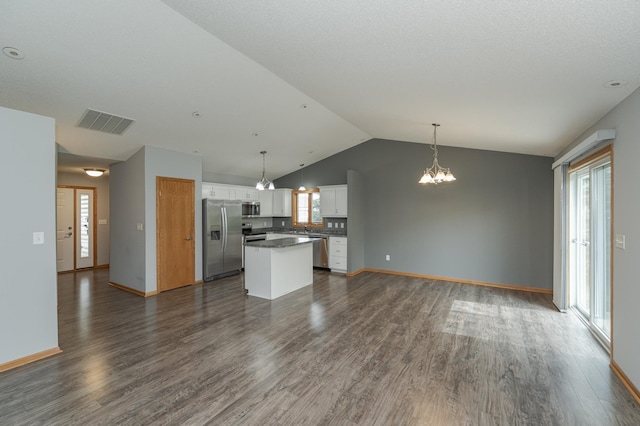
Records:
x=294, y=203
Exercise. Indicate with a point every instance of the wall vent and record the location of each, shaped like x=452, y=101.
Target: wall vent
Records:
x=104, y=122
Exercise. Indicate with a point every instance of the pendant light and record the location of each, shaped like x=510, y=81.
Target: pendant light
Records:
x=302, y=188
x=264, y=183
x=436, y=174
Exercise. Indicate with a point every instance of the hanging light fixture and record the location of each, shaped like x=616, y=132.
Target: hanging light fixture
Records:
x=264, y=183
x=302, y=188
x=94, y=172
x=436, y=174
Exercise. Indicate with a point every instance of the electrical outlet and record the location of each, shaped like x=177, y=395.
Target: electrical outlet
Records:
x=282, y=223
x=342, y=225
x=264, y=224
x=329, y=225
x=387, y=258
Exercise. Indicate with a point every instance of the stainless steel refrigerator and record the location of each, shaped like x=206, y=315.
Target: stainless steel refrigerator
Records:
x=222, y=242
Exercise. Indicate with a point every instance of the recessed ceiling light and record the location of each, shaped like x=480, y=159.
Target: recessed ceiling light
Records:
x=12, y=52
x=612, y=84
x=196, y=114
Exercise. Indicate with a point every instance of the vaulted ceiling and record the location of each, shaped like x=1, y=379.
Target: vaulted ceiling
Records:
x=305, y=80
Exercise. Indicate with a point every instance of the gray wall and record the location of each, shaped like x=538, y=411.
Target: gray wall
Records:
x=356, y=212
x=494, y=224
x=133, y=201
x=102, y=196
x=161, y=162
x=126, y=210
x=626, y=203
x=28, y=290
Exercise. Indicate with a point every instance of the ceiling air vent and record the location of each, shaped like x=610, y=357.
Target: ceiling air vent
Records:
x=104, y=122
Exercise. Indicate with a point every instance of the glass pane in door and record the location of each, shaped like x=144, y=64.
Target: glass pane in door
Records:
x=582, y=241
x=84, y=225
x=601, y=212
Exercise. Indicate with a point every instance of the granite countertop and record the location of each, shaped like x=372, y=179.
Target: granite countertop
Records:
x=280, y=242
x=335, y=233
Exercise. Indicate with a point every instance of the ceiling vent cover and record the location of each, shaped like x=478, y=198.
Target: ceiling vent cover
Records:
x=104, y=122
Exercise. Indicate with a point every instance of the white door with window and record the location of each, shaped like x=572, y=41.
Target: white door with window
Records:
x=65, y=229
x=590, y=245
x=75, y=228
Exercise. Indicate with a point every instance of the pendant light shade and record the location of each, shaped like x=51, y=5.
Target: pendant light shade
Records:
x=436, y=174
x=264, y=183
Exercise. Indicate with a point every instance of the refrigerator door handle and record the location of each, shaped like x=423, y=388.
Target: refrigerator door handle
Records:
x=224, y=228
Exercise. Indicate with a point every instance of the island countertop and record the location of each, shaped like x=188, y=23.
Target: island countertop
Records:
x=280, y=242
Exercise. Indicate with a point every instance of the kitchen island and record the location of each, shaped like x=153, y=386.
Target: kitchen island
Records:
x=273, y=268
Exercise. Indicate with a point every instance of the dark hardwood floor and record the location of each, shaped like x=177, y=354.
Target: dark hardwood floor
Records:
x=369, y=350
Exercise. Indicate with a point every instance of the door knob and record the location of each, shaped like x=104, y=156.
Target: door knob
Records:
x=188, y=238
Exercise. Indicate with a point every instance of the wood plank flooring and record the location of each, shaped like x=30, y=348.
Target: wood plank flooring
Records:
x=369, y=350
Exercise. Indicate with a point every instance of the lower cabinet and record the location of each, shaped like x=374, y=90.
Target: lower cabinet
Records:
x=338, y=254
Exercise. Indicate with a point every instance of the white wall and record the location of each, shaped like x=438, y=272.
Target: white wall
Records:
x=28, y=287
x=102, y=196
x=624, y=118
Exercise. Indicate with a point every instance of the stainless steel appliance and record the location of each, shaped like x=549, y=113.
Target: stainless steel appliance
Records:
x=320, y=252
x=222, y=242
x=250, y=209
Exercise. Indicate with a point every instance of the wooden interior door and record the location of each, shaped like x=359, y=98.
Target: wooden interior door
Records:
x=175, y=232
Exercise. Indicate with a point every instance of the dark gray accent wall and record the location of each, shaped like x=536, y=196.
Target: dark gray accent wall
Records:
x=356, y=212
x=494, y=224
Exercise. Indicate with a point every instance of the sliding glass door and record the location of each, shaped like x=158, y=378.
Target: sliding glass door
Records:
x=590, y=245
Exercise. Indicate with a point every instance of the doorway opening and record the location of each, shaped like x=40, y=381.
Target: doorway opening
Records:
x=76, y=232
x=590, y=225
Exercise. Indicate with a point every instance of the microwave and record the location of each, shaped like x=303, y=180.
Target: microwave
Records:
x=250, y=209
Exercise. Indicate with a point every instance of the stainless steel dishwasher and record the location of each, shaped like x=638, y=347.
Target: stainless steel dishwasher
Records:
x=321, y=252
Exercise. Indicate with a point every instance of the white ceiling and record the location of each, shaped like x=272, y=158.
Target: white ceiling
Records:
x=515, y=76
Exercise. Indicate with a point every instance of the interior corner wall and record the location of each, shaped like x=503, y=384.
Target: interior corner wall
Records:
x=28, y=289
x=126, y=211
x=171, y=164
x=626, y=211
x=356, y=212
x=102, y=196
x=494, y=224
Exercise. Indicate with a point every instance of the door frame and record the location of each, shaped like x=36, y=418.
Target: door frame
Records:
x=158, y=251
x=94, y=214
x=597, y=156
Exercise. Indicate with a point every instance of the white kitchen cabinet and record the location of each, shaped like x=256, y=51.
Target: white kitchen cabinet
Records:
x=333, y=201
x=338, y=254
x=215, y=190
x=266, y=203
x=281, y=202
x=245, y=193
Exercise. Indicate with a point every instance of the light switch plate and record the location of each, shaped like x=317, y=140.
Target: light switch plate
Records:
x=38, y=238
x=139, y=227
x=342, y=225
x=620, y=241
x=329, y=225
x=102, y=221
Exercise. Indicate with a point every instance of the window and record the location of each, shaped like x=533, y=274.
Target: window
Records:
x=306, y=208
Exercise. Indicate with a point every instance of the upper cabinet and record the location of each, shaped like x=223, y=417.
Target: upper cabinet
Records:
x=266, y=203
x=216, y=191
x=333, y=200
x=281, y=202
x=245, y=193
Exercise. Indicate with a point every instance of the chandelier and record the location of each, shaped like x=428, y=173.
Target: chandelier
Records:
x=436, y=174
x=264, y=183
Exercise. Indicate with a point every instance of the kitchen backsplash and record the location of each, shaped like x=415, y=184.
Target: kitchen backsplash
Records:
x=330, y=223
